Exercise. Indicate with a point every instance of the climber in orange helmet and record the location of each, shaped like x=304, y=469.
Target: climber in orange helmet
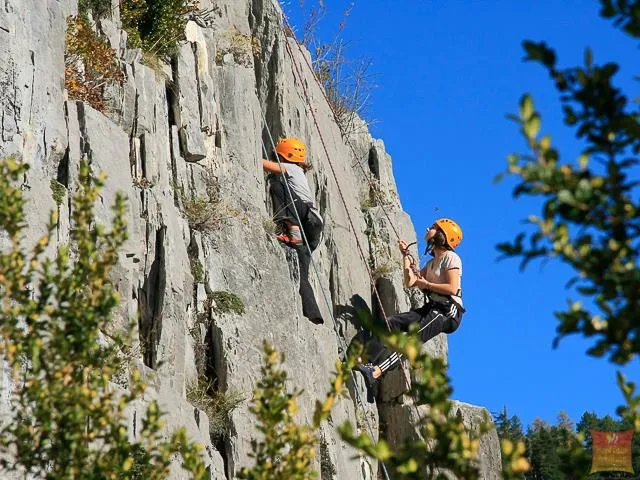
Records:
x=292, y=167
x=440, y=280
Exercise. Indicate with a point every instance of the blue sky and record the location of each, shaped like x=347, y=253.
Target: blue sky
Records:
x=447, y=73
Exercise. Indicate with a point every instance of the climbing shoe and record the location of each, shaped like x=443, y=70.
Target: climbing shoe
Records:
x=283, y=237
x=367, y=369
x=289, y=240
x=316, y=320
x=295, y=235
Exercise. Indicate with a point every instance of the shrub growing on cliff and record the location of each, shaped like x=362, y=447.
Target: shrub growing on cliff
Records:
x=347, y=82
x=90, y=64
x=58, y=191
x=217, y=404
x=156, y=26
x=71, y=421
x=226, y=302
x=287, y=449
x=98, y=8
x=207, y=213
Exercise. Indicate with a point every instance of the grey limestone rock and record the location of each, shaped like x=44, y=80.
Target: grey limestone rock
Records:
x=401, y=417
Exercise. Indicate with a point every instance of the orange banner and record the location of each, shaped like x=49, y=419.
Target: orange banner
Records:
x=611, y=451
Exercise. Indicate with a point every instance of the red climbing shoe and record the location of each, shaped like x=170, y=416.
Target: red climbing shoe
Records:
x=290, y=239
x=295, y=235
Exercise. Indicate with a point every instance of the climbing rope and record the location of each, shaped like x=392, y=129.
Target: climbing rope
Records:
x=371, y=185
x=341, y=342
x=367, y=174
x=341, y=195
x=285, y=23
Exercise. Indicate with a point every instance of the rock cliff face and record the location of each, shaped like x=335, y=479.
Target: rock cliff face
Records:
x=194, y=130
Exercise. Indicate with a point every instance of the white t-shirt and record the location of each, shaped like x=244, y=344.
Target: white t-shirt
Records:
x=436, y=272
x=298, y=182
x=300, y=186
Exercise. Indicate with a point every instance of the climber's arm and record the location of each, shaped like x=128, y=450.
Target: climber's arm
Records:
x=451, y=287
x=409, y=272
x=273, y=167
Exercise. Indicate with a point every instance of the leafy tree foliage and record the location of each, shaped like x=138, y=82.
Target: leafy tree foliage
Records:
x=590, y=219
x=156, y=26
x=555, y=451
x=563, y=451
x=287, y=450
x=90, y=64
x=543, y=453
x=98, y=8
x=70, y=419
x=508, y=427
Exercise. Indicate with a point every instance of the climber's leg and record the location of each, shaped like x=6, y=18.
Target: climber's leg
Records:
x=309, y=305
x=431, y=321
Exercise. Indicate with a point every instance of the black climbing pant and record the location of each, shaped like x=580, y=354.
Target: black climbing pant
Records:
x=432, y=318
x=284, y=213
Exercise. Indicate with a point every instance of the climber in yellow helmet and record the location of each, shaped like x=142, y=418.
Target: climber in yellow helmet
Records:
x=440, y=280
x=292, y=167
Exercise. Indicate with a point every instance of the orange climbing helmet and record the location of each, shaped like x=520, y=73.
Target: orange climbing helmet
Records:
x=451, y=230
x=292, y=150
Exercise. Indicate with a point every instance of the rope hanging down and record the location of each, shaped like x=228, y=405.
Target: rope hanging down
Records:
x=359, y=246
x=342, y=343
x=367, y=174
x=335, y=176
x=301, y=81
x=413, y=265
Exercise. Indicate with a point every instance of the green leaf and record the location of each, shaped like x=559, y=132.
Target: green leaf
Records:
x=545, y=143
x=526, y=107
x=584, y=190
x=539, y=52
x=588, y=58
x=383, y=452
x=570, y=117
x=532, y=127
x=565, y=196
x=583, y=161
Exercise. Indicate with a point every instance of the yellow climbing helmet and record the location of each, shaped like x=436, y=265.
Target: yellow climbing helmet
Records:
x=292, y=150
x=451, y=230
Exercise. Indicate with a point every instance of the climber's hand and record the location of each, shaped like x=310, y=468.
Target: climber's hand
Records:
x=412, y=278
x=402, y=245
